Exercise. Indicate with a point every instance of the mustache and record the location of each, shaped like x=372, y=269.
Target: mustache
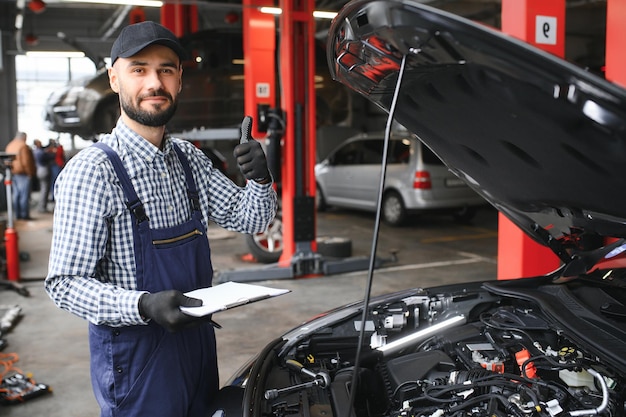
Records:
x=157, y=93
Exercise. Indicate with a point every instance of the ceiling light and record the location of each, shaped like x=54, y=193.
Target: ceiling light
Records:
x=318, y=14
x=271, y=10
x=19, y=21
x=55, y=54
x=144, y=3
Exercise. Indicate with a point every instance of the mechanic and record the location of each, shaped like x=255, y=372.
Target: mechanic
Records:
x=129, y=238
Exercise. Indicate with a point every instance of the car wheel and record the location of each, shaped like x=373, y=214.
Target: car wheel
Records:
x=393, y=210
x=267, y=247
x=105, y=117
x=465, y=214
x=320, y=201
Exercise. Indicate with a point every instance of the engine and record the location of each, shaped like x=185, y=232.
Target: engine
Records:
x=444, y=356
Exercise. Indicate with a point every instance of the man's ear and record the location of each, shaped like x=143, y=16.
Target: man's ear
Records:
x=113, y=80
x=180, y=79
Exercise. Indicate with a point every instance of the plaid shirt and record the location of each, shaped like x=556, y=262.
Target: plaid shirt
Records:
x=91, y=269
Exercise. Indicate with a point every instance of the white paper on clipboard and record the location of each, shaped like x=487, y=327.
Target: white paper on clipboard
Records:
x=228, y=295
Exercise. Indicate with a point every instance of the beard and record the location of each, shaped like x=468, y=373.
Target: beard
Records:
x=157, y=117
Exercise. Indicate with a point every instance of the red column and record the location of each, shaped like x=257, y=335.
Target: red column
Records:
x=616, y=41
x=11, y=245
x=12, y=253
x=615, y=59
x=297, y=71
x=181, y=19
x=259, y=48
x=540, y=23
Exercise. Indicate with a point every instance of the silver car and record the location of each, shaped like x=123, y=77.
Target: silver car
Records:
x=417, y=180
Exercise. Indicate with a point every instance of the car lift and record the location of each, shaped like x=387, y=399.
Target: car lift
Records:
x=294, y=145
x=297, y=153
x=11, y=247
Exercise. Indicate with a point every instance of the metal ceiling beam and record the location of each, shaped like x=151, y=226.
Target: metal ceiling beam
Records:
x=99, y=23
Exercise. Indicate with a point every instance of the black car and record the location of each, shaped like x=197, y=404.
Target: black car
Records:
x=545, y=143
x=212, y=95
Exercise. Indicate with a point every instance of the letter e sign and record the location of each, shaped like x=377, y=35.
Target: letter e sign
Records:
x=262, y=90
x=545, y=30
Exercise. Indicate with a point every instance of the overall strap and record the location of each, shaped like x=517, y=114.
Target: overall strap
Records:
x=192, y=191
x=132, y=200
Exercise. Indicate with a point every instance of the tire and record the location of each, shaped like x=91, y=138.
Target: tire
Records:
x=106, y=115
x=267, y=247
x=335, y=247
x=465, y=214
x=393, y=210
x=320, y=201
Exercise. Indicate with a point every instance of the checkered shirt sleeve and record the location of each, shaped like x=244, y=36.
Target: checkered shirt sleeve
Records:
x=92, y=268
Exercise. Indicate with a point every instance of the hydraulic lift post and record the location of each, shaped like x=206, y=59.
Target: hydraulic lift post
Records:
x=297, y=69
x=297, y=107
x=297, y=87
x=11, y=245
x=259, y=49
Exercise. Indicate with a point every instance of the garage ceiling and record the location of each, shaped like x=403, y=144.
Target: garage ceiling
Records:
x=69, y=25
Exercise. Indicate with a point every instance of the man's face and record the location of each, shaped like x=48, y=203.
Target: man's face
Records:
x=148, y=84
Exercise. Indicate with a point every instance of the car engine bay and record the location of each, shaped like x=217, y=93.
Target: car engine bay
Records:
x=467, y=353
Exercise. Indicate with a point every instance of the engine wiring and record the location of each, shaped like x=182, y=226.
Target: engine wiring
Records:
x=506, y=360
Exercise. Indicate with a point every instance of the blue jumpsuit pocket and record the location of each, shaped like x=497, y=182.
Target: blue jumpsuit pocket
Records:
x=128, y=355
x=134, y=353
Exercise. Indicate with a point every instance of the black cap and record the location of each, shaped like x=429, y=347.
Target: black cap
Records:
x=138, y=36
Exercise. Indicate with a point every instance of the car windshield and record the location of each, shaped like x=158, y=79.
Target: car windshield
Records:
x=370, y=151
x=429, y=157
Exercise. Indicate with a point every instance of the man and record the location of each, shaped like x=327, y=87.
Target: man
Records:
x=129, y=238
x=23, y=169
x=57, y=165
x=43, y=159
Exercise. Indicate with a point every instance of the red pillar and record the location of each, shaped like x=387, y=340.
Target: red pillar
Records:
x=12, y=253
x=616, y=42
x=11, y=245
x=297, y=71
x=615, y=60
x=540, y=23
x=259, y=48
x=181, y=19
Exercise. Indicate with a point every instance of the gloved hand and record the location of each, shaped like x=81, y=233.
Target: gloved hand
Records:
x=250, y=156
x=164, y=308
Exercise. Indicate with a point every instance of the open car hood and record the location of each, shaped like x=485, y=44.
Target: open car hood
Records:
x=540, y=139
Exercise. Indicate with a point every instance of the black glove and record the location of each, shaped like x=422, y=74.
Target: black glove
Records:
x=250, y=156
x=164, y=308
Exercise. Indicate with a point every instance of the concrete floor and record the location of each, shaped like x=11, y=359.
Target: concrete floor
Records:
x=52, y=344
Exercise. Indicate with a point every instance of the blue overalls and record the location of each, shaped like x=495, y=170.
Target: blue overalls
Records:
x=145, y=370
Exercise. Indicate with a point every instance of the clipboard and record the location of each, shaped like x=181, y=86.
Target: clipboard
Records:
x=228, y=295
